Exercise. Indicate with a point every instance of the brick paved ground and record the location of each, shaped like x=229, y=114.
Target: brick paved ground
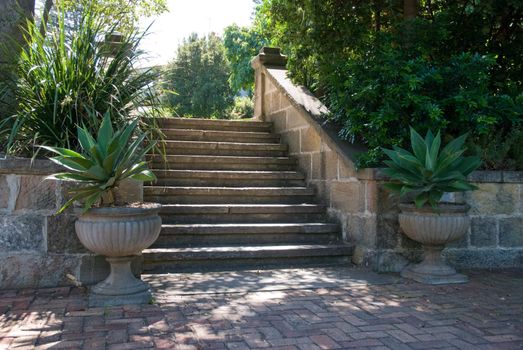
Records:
x=299, y=309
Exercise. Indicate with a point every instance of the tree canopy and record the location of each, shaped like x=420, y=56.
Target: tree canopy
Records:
x=198, y=78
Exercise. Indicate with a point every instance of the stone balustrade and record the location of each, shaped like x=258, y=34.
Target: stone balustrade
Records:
x=357, y=198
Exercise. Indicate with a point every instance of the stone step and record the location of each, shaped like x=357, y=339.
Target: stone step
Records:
x=225, y=148
x=163, y=260
x=241, y=213
x=193, y=235
x=224, y=178
x=198, y=162
x=213, y=124
x=222, y=136
x=225, y=195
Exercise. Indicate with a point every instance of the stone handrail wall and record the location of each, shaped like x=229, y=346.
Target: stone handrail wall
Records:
x=357, y=198
x=37, y=247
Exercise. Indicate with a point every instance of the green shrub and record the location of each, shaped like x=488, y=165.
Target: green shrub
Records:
x=456, y=67
x=243, y=107
x=64, y=79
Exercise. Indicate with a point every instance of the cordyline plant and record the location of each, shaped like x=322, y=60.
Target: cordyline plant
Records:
x=428, y=172
x=103, y=163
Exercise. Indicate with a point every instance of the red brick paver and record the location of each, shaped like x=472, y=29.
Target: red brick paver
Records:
x=486, y=313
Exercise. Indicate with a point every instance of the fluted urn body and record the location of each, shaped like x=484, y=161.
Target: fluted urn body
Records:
x=434, y=229
x=119, y=233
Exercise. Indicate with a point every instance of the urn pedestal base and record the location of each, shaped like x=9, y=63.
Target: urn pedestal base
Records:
x=121, y=287
x=433, y=269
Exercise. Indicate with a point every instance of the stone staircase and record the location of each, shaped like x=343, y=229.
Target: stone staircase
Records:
x=233, y=199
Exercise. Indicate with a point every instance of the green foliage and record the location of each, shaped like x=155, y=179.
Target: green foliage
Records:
x=241, y=45
x=199, y=77
x=243, y=108
x=103, y=163
x=428, y=172
x=63, y=80
x=123, y=14
x=455, y=67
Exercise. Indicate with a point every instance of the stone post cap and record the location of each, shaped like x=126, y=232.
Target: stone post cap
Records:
x=270, y=56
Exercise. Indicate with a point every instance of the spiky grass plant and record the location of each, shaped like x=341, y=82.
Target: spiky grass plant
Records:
x=64, y=78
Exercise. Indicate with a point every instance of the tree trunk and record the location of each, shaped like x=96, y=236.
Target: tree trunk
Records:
x=410, y=9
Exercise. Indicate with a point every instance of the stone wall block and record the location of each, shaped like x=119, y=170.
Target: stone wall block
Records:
x=323, y=190
x=129, y=191
x=310, y=140
x=292, y=139
x=305, y=164
x=511, y=232
x=295, y=120
x=493, y=198
x=36, y=193
x=4, y=192
x=329, y=161
x=279, y=119
x=388, y=232
x=61, y=235
x=483, y=232
x=21, y=233
x=371, y=196
x=362, y=230
x=348, y=197
x=346, y=170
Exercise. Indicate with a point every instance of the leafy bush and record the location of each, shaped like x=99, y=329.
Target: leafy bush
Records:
x=66, y=79
x=243, y=108
x=428, y=172
x=199, y=77
x=103, y=164
x=456, y=67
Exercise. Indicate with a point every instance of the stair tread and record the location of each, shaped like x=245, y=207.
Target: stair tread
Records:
x=250, y=228
x=249, y=249
x=225, y=158
x=238, y=173
x=264, y=134
x=275, y=145
x=202, y=121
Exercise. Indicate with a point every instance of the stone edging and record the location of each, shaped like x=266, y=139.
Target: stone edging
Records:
x=27, y=166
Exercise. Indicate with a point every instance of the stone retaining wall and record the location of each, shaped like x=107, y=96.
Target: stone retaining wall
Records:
x=357, y=198
x=37, y=247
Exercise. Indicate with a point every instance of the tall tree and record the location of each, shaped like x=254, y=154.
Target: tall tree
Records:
x=199, y=77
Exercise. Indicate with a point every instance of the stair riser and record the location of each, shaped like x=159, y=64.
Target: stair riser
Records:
x=236, y=126
x=224, y=152
x=223, y=166
x=241, y=218
x=228, y=182
x=221, y=199
x=241, y=264
x=179, y=136
x=245, y=239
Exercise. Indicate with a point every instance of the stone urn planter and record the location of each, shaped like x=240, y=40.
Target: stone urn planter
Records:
x=434, y=229
x=119, y=233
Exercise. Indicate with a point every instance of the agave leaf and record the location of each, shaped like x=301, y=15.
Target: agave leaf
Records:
x=434, y=148
x=97, y=172
x=418, y=145
x=145, y=175
x=421, y=199
x=85, y=139
x=70, y=177
x=469, y=164
x=429, y=138
x=452, y=175
x=63, y=151
x=105, y=134
x=71, y=163
x=394, y=187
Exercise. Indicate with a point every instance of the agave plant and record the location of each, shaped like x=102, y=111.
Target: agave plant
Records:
x=103, y=164
x=428, y=172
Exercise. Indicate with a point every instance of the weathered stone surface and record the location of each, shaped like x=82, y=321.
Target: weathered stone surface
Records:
x=483, y=232
x=36, y=193
x=387, y=202
x=29, y=270
x=323, y=190
x=484, y=258
x=4, y=192
x=388, y=261
x=389, y=233
x=511, y=232
x=329, y=162
x=21, y=233
x=129, y=191
x=295, y=120
x=346, y=170
x=305, y=163
x=348, y=196
x=486, y=176
x=273, y=101
x=362, y=230
x=61, y=235
x=292, y=138
x=279, y=119
x=513, y=176
x=371, y=196
x=310, y=140
x=492, y=198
